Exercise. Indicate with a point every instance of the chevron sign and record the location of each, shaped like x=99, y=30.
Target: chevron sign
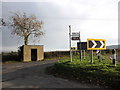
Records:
x=96, y=44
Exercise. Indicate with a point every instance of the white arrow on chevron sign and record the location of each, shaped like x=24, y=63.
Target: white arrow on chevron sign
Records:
x=95, y=44
x=102, y=44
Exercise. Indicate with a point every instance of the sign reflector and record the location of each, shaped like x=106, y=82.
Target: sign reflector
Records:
x=73, y=48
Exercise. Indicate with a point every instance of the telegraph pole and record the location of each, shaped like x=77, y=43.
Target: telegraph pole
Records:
x=70, y=42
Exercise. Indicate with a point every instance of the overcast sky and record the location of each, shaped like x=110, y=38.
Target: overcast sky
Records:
x=96, y=19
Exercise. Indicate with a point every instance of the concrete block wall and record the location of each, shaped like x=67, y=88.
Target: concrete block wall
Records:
x=27, y=52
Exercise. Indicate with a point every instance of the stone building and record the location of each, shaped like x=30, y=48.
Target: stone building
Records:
x=32, y=53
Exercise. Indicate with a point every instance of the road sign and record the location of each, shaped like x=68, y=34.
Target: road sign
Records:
x=75, y=36
x=96, y=44
x=73, y=48
x=83, y=45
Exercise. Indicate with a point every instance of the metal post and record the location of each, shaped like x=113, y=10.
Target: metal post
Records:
x=100, y=56
x=80, y=51
x=114, y=56
x=91, y=56
x=70, y=42
x=81, y=55
x=114, y=59
x=84, y=54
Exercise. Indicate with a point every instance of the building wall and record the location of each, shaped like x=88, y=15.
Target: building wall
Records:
x=27, y=52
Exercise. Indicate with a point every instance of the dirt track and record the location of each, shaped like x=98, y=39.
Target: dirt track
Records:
x=32, y=75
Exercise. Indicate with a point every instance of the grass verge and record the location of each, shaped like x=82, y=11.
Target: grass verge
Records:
x=99, y=73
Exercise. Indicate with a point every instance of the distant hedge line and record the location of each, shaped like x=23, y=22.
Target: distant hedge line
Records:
x=15, y=56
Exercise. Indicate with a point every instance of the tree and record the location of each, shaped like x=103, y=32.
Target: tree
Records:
x=2, y=23
x=24, y=26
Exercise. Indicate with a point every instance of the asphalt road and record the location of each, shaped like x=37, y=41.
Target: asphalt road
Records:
x=32, y=75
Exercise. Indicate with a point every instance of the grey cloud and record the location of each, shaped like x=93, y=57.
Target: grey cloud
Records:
x=56, y=20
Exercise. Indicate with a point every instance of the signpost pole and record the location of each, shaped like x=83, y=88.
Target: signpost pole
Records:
x=81, y=55
x=100, y=57
x=70, y=42
x=91, y=56
x=84, y=54
x=114, y=57
x=80, y=51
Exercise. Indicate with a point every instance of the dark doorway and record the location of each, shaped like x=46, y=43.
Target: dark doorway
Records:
x=34, y=54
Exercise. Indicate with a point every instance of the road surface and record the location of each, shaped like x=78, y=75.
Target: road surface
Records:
x=32, y=75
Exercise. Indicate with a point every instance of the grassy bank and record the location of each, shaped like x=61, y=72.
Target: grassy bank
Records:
x=99, y=73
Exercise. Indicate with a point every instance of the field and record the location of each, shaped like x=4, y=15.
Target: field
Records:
x=99, y=73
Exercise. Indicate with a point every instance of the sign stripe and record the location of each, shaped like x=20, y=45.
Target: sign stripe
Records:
x=102, y=44
x=94, y=44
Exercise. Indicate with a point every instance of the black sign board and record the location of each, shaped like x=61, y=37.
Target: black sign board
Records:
x=83, y=46
x=75, y=38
